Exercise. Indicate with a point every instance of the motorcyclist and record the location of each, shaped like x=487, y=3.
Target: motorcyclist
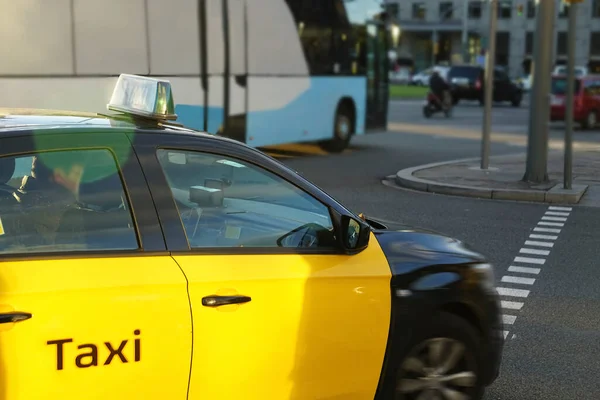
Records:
x=439, y=87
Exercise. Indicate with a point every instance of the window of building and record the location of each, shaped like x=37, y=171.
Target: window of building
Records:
x=226, y=202
x=393, y=10
x=595, y=44
x=596, y=9
x=563, y=11
x=502, y=48
x=529, y=43
x=446, y=10
x=63, y=201
x=561, y=44
x=419, y=11
x=505, y=9
x=475, y=9
x=531, y=9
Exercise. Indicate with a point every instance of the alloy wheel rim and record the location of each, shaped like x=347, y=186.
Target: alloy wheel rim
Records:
x=437, y=369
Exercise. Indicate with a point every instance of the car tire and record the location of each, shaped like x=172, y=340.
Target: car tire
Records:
x=590, y=121
x=446, y=334
x=343, y=129
x=516, y=100
x=427, y=112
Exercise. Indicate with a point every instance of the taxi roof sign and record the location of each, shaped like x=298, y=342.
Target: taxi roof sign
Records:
x=143, y=96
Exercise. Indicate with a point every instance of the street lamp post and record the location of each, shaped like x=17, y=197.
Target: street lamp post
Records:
x=536, y=169
x=464, y=35
x=568, y=159
x=488, y=89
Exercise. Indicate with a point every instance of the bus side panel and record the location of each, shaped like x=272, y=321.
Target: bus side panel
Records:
x=275, y=118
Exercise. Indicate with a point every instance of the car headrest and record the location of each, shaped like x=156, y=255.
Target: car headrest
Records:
x=7, y=169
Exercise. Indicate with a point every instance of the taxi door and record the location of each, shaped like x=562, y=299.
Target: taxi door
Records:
x=91, y=305
x=269, y=322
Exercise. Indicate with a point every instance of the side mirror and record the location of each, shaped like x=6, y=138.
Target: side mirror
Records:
x=355, y=234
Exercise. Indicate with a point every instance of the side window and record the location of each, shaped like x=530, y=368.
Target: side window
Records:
x=225, y=202
x=63, y=201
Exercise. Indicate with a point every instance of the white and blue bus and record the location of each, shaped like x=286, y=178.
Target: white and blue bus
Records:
x=264, y=72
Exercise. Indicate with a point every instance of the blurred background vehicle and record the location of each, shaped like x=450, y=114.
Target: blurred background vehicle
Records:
x=586, y=107
x=467, y=81
x=251, y=70
x=579, y=70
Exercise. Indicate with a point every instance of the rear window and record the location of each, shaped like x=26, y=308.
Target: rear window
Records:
x=464, y=72
x=559, y=86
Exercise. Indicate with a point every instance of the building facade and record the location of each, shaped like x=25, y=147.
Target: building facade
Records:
x=431, y=32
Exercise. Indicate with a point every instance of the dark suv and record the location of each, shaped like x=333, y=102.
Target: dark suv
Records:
x=467, y=82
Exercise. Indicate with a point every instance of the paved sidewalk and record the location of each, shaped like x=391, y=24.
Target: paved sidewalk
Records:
x=503, y=180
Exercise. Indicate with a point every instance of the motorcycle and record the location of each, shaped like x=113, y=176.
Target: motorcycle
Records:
x=434, y=104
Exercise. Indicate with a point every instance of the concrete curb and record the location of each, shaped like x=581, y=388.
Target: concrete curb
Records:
x=556, y=194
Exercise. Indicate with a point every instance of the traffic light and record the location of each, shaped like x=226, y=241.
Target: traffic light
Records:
x=520, y=10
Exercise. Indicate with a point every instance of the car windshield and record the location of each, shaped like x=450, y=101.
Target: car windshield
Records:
x=559, y=86
x=563, y=70
x=463, y=72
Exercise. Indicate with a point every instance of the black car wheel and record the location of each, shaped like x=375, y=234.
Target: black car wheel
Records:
x=590, y=120
x=444, y=362
x=516, y=100
x=343, y=130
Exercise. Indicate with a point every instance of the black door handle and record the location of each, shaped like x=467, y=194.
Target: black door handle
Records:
x=216, y=301
x=16, y=316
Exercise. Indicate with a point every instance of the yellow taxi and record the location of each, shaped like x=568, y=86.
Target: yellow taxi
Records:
x=143, y=260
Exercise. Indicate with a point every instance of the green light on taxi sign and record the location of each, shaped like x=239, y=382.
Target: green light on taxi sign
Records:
x=143, y=96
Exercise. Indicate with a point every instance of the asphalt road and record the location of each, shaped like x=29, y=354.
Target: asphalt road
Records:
x=553, y=342
x=469, y=116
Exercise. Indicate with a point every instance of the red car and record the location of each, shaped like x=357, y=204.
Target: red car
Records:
x=586, y=100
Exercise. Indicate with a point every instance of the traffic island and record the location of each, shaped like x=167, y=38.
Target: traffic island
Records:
x=503, y=179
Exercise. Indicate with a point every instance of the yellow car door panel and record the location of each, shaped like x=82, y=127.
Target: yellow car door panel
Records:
x=91, y=304
x=99, y=327
x=316, y=325
x=279, y=311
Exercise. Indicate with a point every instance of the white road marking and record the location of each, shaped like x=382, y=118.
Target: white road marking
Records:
x=558, y=214
x=502, y=291
x=549, y=230
x=530, y=260
x=524, y=270
x=518, y=279
x=560, y=208
x=562, y=219
x=534, y=251
x=551, y=223
x=539, y=244
x=511, y=305
x=545, y=237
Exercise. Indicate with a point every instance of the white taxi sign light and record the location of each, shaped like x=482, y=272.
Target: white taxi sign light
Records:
x=142, y=96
